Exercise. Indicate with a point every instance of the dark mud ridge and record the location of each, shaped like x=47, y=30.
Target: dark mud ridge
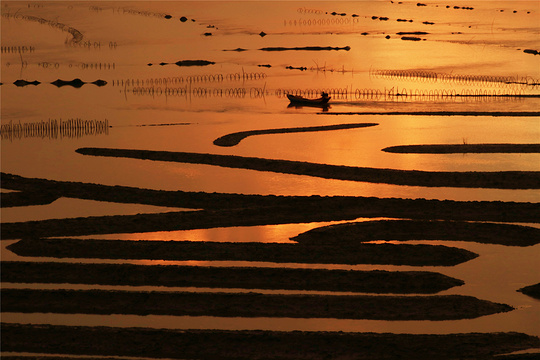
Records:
x=496, y=180
x=411, y=38
x=77, y=83
x=448, y=113
x=235, y=138
x=256, y=345
x=307, y=48
x=26, y=198
x=345, y=205
x=403, y=230
x=532, y=291
x=224, y=210
x=464, y=148
x=22, y=82
x=376, y=281
x=405, y=254
x=372, y=307
x=188, y=63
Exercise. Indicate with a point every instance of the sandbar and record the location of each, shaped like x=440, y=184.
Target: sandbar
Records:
x=392, y=254
x=464, y=148
x=257, y=345
x=403, y=230
x=222, y=304
x=235, y=138
x=532, y=291
x=375, y=281
x=470, y=179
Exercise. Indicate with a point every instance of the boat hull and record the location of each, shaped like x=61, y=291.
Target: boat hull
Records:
x=302, y=100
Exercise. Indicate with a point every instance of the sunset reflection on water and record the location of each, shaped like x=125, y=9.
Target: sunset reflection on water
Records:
x=458, y=66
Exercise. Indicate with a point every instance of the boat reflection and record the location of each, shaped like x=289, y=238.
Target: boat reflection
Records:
x=300, y=101
x=324, y=107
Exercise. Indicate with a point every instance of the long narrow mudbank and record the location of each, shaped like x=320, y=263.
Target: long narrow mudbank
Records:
x=449, y=113
x=342, y=207
x=305, y=48
x=337, y=207
x=403, y=254
x=372, y=307
x=464, y=148
x=235, y=138
x=226, y=210
x=256, y=345
x=403, y=230
x=495, y=180
x=376, y=281
x=27, y=198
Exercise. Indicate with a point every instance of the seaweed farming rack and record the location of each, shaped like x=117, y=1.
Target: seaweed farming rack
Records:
x=54, y=129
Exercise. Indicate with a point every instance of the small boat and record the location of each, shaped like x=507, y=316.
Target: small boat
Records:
x=300, y=100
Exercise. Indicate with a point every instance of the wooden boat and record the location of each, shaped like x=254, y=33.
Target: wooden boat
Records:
x=300, y=100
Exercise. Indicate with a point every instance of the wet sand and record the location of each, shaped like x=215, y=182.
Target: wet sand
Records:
x=253, y=345
x=376, y=281
x=494, y=180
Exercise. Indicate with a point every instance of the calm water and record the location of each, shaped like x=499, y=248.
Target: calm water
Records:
x=174, y=108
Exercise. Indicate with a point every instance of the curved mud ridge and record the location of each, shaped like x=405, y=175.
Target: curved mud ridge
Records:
x=375, y=281
x=494, y=180
x=256, y=345
x=235, y=138
x=368, y=307
x=388, y=254
x=464, y=148
x=403, y=230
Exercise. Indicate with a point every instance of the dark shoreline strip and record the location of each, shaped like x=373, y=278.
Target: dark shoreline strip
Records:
x=448, y=113
x=493, y=180
x=235, y=138
x=307, y=48
x=376, y=281
x=256, y=345
x=403, y=254
x=403, y=230
x=464, y=148
x=435, y=307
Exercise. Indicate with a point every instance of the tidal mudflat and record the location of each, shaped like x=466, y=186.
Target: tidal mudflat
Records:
x=398, y=221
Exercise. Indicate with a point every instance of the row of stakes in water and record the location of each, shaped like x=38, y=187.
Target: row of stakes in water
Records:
x=54, y=129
